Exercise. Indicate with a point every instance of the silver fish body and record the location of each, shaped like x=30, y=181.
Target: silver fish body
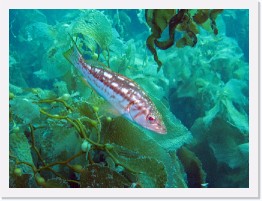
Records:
x=121, y=92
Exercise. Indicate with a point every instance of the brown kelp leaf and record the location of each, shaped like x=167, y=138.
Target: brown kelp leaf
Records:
x=179, y=175
x=153, y=175
x=20, y=147
x=181, y=42
x=97, y=176
x=19, y=181
x=162, y=17
x=184, y=20
x=196, y=176
x=56, y=183
x=189, y=39
x=124, y=152
x=193, y=28
x=187, y=25
x=124, y=133
x=214, y=13
x=86, y=109
x=183, y=24
x=207, y=25
x=152, y=172
x=158, y=19
x=179, y=19
x=201, y=16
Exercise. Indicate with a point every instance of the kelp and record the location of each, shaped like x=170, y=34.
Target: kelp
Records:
x=94, y=24
x=20, y=147
x=158, y=20
x=97, y=176
x=153, y=147
x=131, y=149
x=196, y=176
x=184, y=20
x=226, y=150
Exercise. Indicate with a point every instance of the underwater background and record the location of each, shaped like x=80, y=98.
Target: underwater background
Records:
x=194, y=65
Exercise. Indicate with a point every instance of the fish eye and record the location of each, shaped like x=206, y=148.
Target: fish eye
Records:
x=151, y=118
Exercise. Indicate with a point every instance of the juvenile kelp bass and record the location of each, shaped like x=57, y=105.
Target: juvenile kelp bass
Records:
x=121, y=92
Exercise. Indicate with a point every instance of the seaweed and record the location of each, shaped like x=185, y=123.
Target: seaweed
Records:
x=196, y=176
x=177, y=20
x=76, y=135
x=96, y=176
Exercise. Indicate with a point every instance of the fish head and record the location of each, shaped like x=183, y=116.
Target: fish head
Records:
x=155, y=123
x=152, y=120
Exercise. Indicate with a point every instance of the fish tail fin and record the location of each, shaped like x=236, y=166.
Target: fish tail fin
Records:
x=73, y=54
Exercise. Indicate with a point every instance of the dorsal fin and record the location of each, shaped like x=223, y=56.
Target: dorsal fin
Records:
x=97, y=64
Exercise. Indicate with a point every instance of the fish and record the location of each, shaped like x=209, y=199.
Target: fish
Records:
x=123, y=94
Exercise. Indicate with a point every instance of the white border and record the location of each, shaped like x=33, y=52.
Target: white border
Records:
x=251, y=192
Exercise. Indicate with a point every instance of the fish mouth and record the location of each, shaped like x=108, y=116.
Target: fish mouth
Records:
x=160, y=130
